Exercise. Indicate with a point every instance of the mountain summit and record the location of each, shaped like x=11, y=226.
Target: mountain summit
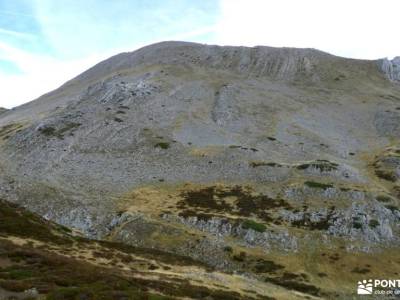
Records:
x=280, y=163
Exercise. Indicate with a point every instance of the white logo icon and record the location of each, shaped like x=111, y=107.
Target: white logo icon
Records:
x=365, y=287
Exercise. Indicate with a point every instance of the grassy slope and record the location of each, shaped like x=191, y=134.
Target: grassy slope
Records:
x=316, y=269
x=35, y=253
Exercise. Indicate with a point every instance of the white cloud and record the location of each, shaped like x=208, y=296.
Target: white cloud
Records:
x=75, y=35
x=21, y=35
x=365, y=29
x=40, y=74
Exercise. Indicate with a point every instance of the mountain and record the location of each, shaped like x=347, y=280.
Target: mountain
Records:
x=278, y=164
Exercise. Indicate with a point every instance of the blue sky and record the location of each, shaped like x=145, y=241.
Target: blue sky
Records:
x=43, y=43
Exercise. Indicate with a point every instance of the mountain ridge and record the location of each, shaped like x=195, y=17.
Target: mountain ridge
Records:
x=125, y=60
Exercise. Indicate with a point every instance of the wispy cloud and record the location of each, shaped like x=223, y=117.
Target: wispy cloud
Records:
x=39, y=74
x=74, y=35
x=16, y=14
x=17, y=34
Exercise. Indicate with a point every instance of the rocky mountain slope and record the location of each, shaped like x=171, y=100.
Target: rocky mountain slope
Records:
x=277, y=163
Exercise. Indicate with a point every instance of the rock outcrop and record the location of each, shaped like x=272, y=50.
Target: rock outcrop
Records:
x=391, y=68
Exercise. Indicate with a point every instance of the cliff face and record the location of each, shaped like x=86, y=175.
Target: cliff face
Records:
x=391, y=68
x=211, y=152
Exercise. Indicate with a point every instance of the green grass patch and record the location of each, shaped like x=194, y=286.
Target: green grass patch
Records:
x=255, y=164
x=20, y=222
x=383, y=198
x=393, y=208
x=48, y=131
x=7, y=130
x=321, y=165
x=373, y=223
x=51, y=131
x=228, y=249
x=250, y=224
x=386, y=175
x=159, y=297
x=318, y=185
x=15, y=273
x=162, y=145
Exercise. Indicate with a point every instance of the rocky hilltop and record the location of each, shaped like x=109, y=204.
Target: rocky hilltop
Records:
x=391, y=68
x=282, y=164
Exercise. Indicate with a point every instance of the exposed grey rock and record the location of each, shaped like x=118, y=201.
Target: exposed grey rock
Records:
x=248, y=237
x=302, y=193
x=391, y=68
x=387, y=123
